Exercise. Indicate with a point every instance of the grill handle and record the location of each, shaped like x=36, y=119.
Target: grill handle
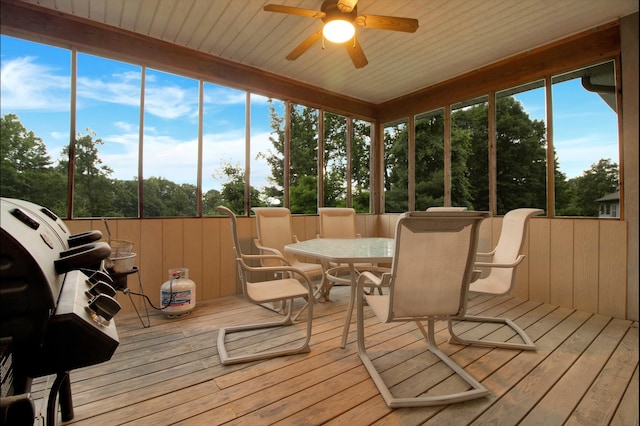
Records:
x=82, y=257
x=76, y=240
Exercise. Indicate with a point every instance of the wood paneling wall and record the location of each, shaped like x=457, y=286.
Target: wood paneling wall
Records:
x=630, y=154
x=574, y=263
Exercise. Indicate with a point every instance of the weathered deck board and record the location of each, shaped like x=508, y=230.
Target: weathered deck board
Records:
x=585, y=371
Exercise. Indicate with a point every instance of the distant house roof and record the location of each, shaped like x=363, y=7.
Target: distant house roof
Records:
x=615, y=196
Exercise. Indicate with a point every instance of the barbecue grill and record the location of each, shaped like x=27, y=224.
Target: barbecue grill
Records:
x=56, y=307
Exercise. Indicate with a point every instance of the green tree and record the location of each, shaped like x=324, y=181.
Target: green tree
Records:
x=521, y=163
x=304, y=195
x=164, y=198
x=93, y=194
x=396, y=156
x=303, y=159
x=361, y=166
x=275, y=158
x=565, y=194
x=429, y=165
x=26, y=170
x=125, y=200
x=470, y=153
x=462, y=189
x=335, y=160
x=599, y=180
x=232, y=193
x=521, y=178
x=210, y=201
x=429, y=161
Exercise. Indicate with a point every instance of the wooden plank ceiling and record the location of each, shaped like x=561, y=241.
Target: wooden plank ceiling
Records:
x=454, y=37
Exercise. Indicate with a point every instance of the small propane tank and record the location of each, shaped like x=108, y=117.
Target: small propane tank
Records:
x=178, y=295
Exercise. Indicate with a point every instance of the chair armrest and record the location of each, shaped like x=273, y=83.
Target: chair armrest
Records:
x=371, y=268
x=267, y=249
x=382, y=280
x=284, y=268
x=519, y=259
x=284, y=261
x=486, y=254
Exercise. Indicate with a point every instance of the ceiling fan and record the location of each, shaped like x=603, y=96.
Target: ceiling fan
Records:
x=343, y=15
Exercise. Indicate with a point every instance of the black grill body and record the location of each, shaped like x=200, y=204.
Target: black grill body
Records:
x=49, y=322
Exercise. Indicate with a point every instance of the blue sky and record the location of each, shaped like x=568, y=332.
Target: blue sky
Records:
x=36, y=87
x=585, y=127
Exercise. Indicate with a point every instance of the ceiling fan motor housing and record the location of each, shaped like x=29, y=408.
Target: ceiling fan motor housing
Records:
x=332, y=12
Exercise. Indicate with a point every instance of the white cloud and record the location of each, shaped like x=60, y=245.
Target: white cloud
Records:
x=122, y=91
x=59, y=136
x=27, y=85
x=170, y=102
x=127, y=127
x=219, y=95
x=176, y=160
x=257, y=99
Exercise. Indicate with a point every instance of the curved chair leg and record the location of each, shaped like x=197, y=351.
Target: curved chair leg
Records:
x=527, y=343
x=319, y=292
x=477, y=389
x=226, y=359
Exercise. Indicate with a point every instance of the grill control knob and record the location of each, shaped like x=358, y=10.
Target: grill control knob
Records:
x=104, y=307
x=93, y=276
x=100, y=287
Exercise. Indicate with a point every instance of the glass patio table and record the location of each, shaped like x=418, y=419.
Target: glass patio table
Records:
x=349, y=251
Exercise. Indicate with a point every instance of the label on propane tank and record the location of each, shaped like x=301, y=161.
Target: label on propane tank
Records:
x=178, y=298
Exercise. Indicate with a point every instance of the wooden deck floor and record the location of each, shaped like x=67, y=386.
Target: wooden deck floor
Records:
x=585, y=371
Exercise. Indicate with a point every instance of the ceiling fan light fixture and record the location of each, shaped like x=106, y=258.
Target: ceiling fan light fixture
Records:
x=338, y=31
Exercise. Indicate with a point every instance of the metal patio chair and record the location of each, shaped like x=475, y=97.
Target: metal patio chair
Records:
x=501, y=262
x=275, y=230
x=429, y=280
x=293, y=283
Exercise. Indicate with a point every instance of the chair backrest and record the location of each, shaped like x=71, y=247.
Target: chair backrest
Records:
x=433, y=263
x=510, y=245
x=274, y=229
x=236, y=243
x=337, y=222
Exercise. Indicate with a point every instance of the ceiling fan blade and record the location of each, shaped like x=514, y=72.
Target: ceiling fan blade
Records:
x=302, y=47
x=392, y=23
x=356, y=53
x=346, y=6
x=294, y=11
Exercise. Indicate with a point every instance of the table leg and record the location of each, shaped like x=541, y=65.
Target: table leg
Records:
x=324, y=288
x=352, y=298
